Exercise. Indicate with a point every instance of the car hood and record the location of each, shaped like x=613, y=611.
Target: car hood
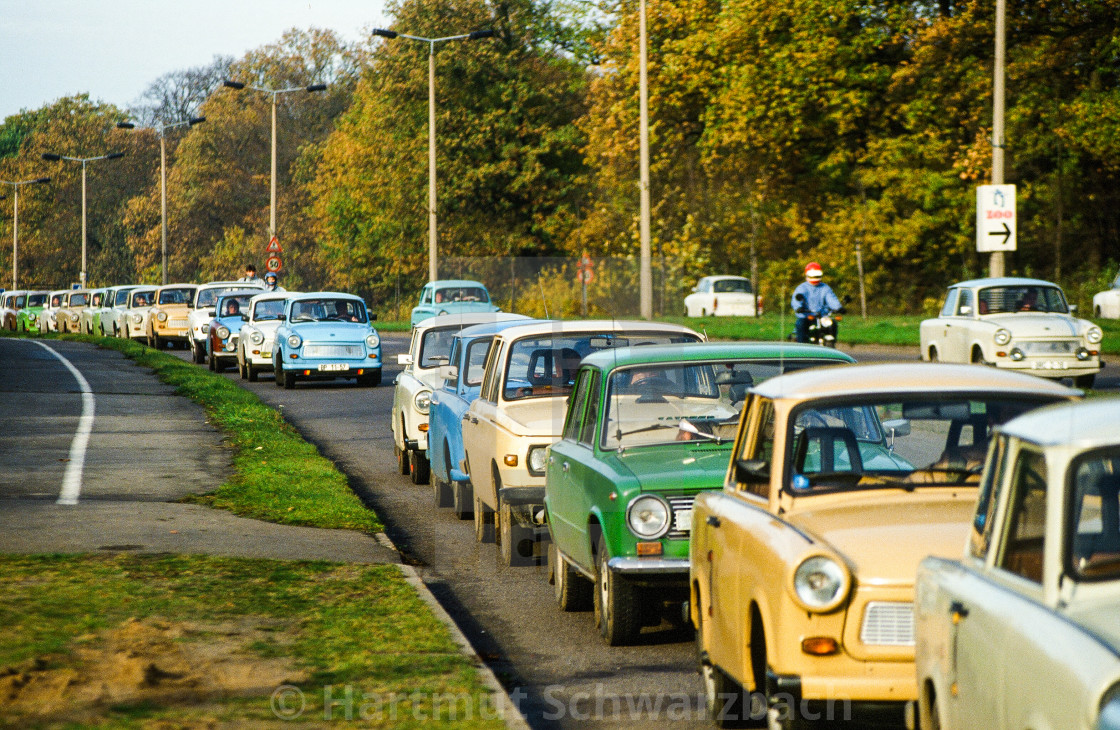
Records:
x=675, y=467
x=463, y=307
x=1100, y=617
x=1023, y=325
x=541, y=417
x=331, y=331
x=886, y=535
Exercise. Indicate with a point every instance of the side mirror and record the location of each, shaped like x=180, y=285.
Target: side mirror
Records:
x=449, y=372
x=897, y=427
x=244, y=317
x=404, y=359
x=965, y=310
x=282, y=317
x=752, y=471
x=1073, y=309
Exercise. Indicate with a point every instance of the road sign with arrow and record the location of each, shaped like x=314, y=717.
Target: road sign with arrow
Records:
x=995, y=218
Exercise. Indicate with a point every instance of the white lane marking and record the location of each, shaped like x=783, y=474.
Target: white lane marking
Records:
x=72, y=480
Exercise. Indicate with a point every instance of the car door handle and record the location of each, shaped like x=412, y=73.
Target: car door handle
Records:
x=713, y=521
x=565, y=466
x=958, y=611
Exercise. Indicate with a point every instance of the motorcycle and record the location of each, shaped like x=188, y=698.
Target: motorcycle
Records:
x=822, y=328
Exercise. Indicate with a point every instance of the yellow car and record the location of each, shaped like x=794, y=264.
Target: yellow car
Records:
x=841, y=481
x=167, y=319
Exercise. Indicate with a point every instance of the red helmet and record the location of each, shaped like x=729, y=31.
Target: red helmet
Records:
x=813, y=271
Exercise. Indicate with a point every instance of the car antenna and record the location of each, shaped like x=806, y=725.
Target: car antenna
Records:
x=544, y=299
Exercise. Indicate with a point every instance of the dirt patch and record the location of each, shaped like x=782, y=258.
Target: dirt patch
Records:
x=149, y=661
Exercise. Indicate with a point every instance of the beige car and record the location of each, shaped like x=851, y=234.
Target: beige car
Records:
x=69, y=315
x=841, y=480
x=520, y=413
x=1023, y=631
x=132, y=320
x=48, y=320
x=167, y=319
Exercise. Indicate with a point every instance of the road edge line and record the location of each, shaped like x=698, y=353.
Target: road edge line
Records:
x=72, y=478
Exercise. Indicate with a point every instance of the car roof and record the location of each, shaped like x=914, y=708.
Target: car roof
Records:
x=320, y=295
x=179, y=286
x=714, y=277
x=491, y=328
x=265, y=296
x=440, y=283
x=246, y=284
x=917, y=377
x=469, y=319
x=1004, y=281
x=560, y=327
x=1085, y=424
x=623, y=356
x=237, y=293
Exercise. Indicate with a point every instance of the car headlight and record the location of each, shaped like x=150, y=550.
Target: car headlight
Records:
x=256, y=338
x=372, y=340
x=30, y=316
x=422, y=400
x=536, y=459
x=294, y=340
x=137, y=318
x=820, y=583
x=222, y=332
x=1002, y=336
x=648, y=516
x=205, y=328
x=1094, y=335
x=74, y=316
x=161, y=316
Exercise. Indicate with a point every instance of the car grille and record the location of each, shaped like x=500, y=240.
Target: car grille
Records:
x=177, y=323
x=887, y=624
x=347, y=351
x=679, y=504
x=1050, y=347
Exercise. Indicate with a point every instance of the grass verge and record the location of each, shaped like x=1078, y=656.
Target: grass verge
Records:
x=343, y=638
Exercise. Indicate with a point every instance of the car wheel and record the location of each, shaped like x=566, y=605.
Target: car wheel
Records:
x=441, y=492
x=978, y=356
x=933, y=357
x=515, y=542
x=251, y=372
x=462, y=500
x=241, y=368
x=197, y=353
x=157, y=342
x=212, y=363
x=728, y=705
x=1097, y=312
x=483, y=521
x=571, y=589
x=402, y=457
x=369, y=380
x=418, y=466
x=289, y=378
x=1084, y=381
x=277, y=371
x=618, y=613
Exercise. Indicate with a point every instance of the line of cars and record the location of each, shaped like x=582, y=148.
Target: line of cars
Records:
x=787, y=498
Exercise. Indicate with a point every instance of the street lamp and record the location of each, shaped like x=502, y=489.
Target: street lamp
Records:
x=472, y=36
x=645, y=273
x=274, y=93
x=15, y=221
x=50, y=156
x=161, y=128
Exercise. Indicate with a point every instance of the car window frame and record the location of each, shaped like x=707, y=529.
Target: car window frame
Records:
x=949, y=306
x=1012, y=510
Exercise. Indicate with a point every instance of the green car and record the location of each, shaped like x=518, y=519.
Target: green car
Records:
x=647, y=428
x=27, y=319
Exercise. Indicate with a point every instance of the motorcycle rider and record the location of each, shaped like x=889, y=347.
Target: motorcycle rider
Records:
x=813, y=297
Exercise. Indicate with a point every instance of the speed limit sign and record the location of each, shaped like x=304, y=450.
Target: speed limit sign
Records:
x=273, y=264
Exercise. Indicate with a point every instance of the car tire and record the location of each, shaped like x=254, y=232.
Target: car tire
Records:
x=197, y=353
x=277, y=371
x=618, y=612
x=514, y=541
x=933, y=356
x=403, y=465
x=726, y=702
x=1097, y=312
x=289, y=378
x=212, y=363
x=418, y=466
x=369, y=380
x=1084, y=381
x=441, y=492
x=571, y=590
x=483, y=521
x=462, y=500
x=157, y=342
x=251, y=373
x=977, y=356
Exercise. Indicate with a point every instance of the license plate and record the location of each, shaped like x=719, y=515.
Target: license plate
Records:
x=684, y=520
x=1050, y=365
x=334, y=366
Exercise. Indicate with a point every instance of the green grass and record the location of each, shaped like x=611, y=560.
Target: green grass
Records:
x=353, y=626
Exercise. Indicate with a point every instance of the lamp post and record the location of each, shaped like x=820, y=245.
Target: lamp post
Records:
x=16, y=184
x=161, y=128
x=645, y=273
x=273, y=93
x=84, y=160
x=433, y=268
x=996, y=261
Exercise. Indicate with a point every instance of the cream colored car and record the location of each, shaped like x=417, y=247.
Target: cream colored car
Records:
x=166, y=322
x=520, y=413
x=48, y=319
x=802, y=568
x=69, y=315
x=1024, y=630
x=133, y=320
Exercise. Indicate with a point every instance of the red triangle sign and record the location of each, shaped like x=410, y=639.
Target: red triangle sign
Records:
x=274, y=246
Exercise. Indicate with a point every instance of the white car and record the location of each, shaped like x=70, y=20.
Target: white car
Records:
x=201, y=311
x=722, y=296
x=10, y=304
x=412, y=390
x=1014, y=324
x=48, y=320
x=1106, y=304
x=519, y=414
x=132, y=320
x=1023, y=631
x=85, y=316
x=113, y=319
x=254, y=344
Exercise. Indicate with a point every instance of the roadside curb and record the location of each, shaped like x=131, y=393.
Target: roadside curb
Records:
x=508, y=711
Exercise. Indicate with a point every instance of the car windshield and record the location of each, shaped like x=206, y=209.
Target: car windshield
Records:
x=56, y=300
x=545, y=365
x=122, y=297
x=141, y=298
x=328, y=309
x=176, y=296
x=461, y=294
x=36, y=300
x=435, y=346
x=875, y=442
x=1026, y=298
x=268, y=309
x=234, y=306
x=79, y=300
x=209, y=297
x=1094, y=517
x=727, y=286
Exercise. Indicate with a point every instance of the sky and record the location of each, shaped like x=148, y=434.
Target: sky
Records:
x=114, y=49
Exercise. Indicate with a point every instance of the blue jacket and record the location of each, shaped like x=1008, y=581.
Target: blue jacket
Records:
x=819, y=299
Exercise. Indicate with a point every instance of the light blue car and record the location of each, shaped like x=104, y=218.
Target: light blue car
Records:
x=452, y=296
x=326, y=335
x=461, y=385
